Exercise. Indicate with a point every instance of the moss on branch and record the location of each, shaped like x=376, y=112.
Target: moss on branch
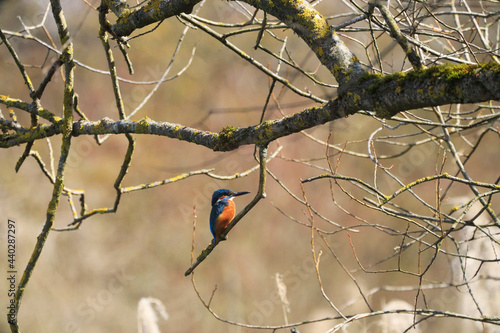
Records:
x=437, y=85
x=386, y=95
x=299, y=15
x=314, y=29
x=152, y=12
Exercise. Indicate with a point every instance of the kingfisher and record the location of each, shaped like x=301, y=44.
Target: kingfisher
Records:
x=223, y=210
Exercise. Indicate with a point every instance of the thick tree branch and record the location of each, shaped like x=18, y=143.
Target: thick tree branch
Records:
x=386, y=95
x=153, y=11
x=438, y=85
x=313, y=28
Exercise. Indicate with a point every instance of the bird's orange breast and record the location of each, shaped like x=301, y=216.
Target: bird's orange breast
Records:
x=225, y=218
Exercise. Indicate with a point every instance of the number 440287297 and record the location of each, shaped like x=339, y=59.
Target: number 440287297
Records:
x=11, y=244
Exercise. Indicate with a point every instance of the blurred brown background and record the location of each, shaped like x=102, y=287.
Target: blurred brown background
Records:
x=92, y=279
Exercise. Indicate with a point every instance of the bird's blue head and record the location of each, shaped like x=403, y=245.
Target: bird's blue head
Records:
x=225, y=193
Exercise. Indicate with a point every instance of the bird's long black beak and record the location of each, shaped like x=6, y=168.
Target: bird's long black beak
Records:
x=235, y=194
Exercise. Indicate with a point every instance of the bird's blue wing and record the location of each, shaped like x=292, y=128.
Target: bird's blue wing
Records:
x=216, y=211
